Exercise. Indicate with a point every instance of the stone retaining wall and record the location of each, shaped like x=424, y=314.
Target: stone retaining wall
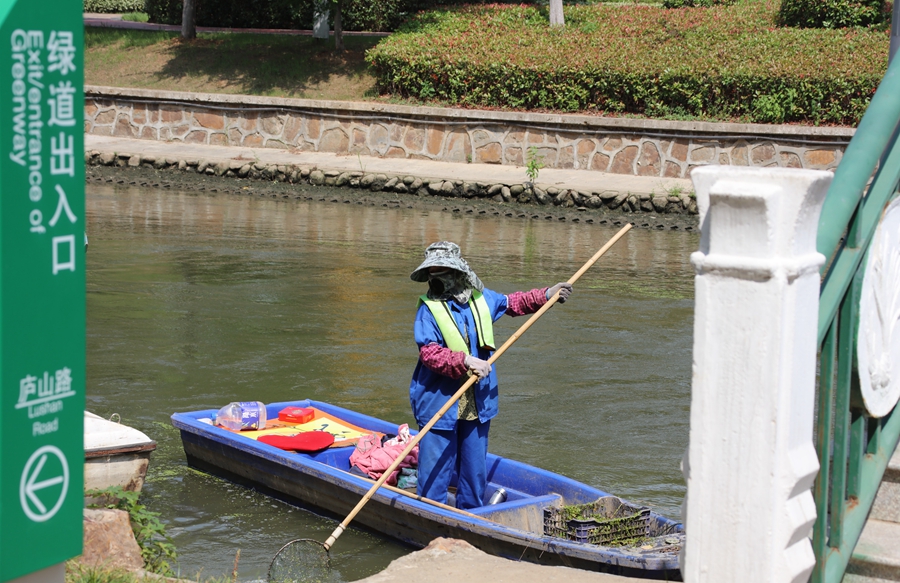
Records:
x=618, y=145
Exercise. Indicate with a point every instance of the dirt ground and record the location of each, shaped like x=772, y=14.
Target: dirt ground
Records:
x=181, y=180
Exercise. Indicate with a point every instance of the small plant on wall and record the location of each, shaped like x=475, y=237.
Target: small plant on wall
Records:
x=533, y=164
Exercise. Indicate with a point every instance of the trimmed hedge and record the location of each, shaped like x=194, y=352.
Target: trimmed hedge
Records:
x=833, y=13
x=371, y=15
x=113, y=6
x=725, y=63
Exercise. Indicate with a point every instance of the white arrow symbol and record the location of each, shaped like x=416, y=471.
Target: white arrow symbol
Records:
x=32, y=485
x=29, y=484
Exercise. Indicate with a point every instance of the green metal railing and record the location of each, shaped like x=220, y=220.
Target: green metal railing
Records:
x=853, y=447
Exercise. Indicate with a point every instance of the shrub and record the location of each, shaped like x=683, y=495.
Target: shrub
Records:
x=237, y=13
x=164, y=11
x=113, y=6
x=382, y=15
x=721, y=63
x=833, y=13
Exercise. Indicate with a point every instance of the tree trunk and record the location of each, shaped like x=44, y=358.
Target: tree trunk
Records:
x=556, y=13
x=338, y=27
x=320, y=25
x=188, y=29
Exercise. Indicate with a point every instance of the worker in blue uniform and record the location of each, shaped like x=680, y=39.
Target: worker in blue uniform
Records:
x=454, y=333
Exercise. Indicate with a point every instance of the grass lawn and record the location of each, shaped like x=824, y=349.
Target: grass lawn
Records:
x=250, y=64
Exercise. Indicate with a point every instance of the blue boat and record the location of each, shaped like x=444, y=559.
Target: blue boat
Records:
x=535, y=523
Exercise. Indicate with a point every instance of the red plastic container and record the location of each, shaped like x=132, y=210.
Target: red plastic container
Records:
x=296, y=414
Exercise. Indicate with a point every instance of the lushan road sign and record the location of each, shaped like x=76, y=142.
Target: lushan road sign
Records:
x=42, y=284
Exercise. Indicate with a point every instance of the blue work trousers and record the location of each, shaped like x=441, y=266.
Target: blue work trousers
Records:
x=464, y=450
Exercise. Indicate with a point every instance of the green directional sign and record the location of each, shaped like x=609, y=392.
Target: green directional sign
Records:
x=42, y=303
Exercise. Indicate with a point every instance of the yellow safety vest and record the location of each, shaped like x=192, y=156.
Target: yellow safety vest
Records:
x=454, y=338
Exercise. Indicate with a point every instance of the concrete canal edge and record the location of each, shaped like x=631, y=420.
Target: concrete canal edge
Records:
x=447, y=560
x=558, y=194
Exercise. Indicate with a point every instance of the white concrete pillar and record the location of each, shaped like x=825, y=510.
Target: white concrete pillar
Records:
x=751, y=461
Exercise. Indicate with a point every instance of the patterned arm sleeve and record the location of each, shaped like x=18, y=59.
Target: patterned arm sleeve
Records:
x=521, y=303
x=443, y=361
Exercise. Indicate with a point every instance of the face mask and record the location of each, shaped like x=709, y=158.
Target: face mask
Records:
x=441, y=283
x=449, y=284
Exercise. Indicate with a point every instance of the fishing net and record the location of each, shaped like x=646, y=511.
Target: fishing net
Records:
x=302, y=561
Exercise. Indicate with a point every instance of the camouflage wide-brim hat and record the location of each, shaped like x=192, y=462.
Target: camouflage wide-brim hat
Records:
x=445, y=254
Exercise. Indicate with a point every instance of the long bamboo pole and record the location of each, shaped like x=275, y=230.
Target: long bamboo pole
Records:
x=417, y=497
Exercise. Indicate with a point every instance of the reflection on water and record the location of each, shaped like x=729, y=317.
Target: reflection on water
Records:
x=195, y=300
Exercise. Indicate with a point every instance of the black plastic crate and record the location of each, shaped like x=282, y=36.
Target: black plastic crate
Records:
x=609, y=521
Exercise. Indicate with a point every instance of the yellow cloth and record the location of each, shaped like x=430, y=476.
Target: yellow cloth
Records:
x=344, y=433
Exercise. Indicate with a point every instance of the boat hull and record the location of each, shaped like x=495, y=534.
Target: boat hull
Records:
x=114, y=455
x=126, y=470
x=512, y=530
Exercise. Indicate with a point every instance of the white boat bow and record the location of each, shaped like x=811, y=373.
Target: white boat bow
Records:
x=114, y=454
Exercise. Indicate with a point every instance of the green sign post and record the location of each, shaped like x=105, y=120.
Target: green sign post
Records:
x=42, y=285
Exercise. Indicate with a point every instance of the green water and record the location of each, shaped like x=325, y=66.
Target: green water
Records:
x=198, y=299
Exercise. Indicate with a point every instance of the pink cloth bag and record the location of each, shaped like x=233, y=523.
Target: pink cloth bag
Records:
x=373, y=458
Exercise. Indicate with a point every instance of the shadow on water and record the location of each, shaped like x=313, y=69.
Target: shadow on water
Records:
x=195, y=300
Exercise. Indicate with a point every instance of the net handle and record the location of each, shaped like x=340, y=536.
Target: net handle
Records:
x=459, y=393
